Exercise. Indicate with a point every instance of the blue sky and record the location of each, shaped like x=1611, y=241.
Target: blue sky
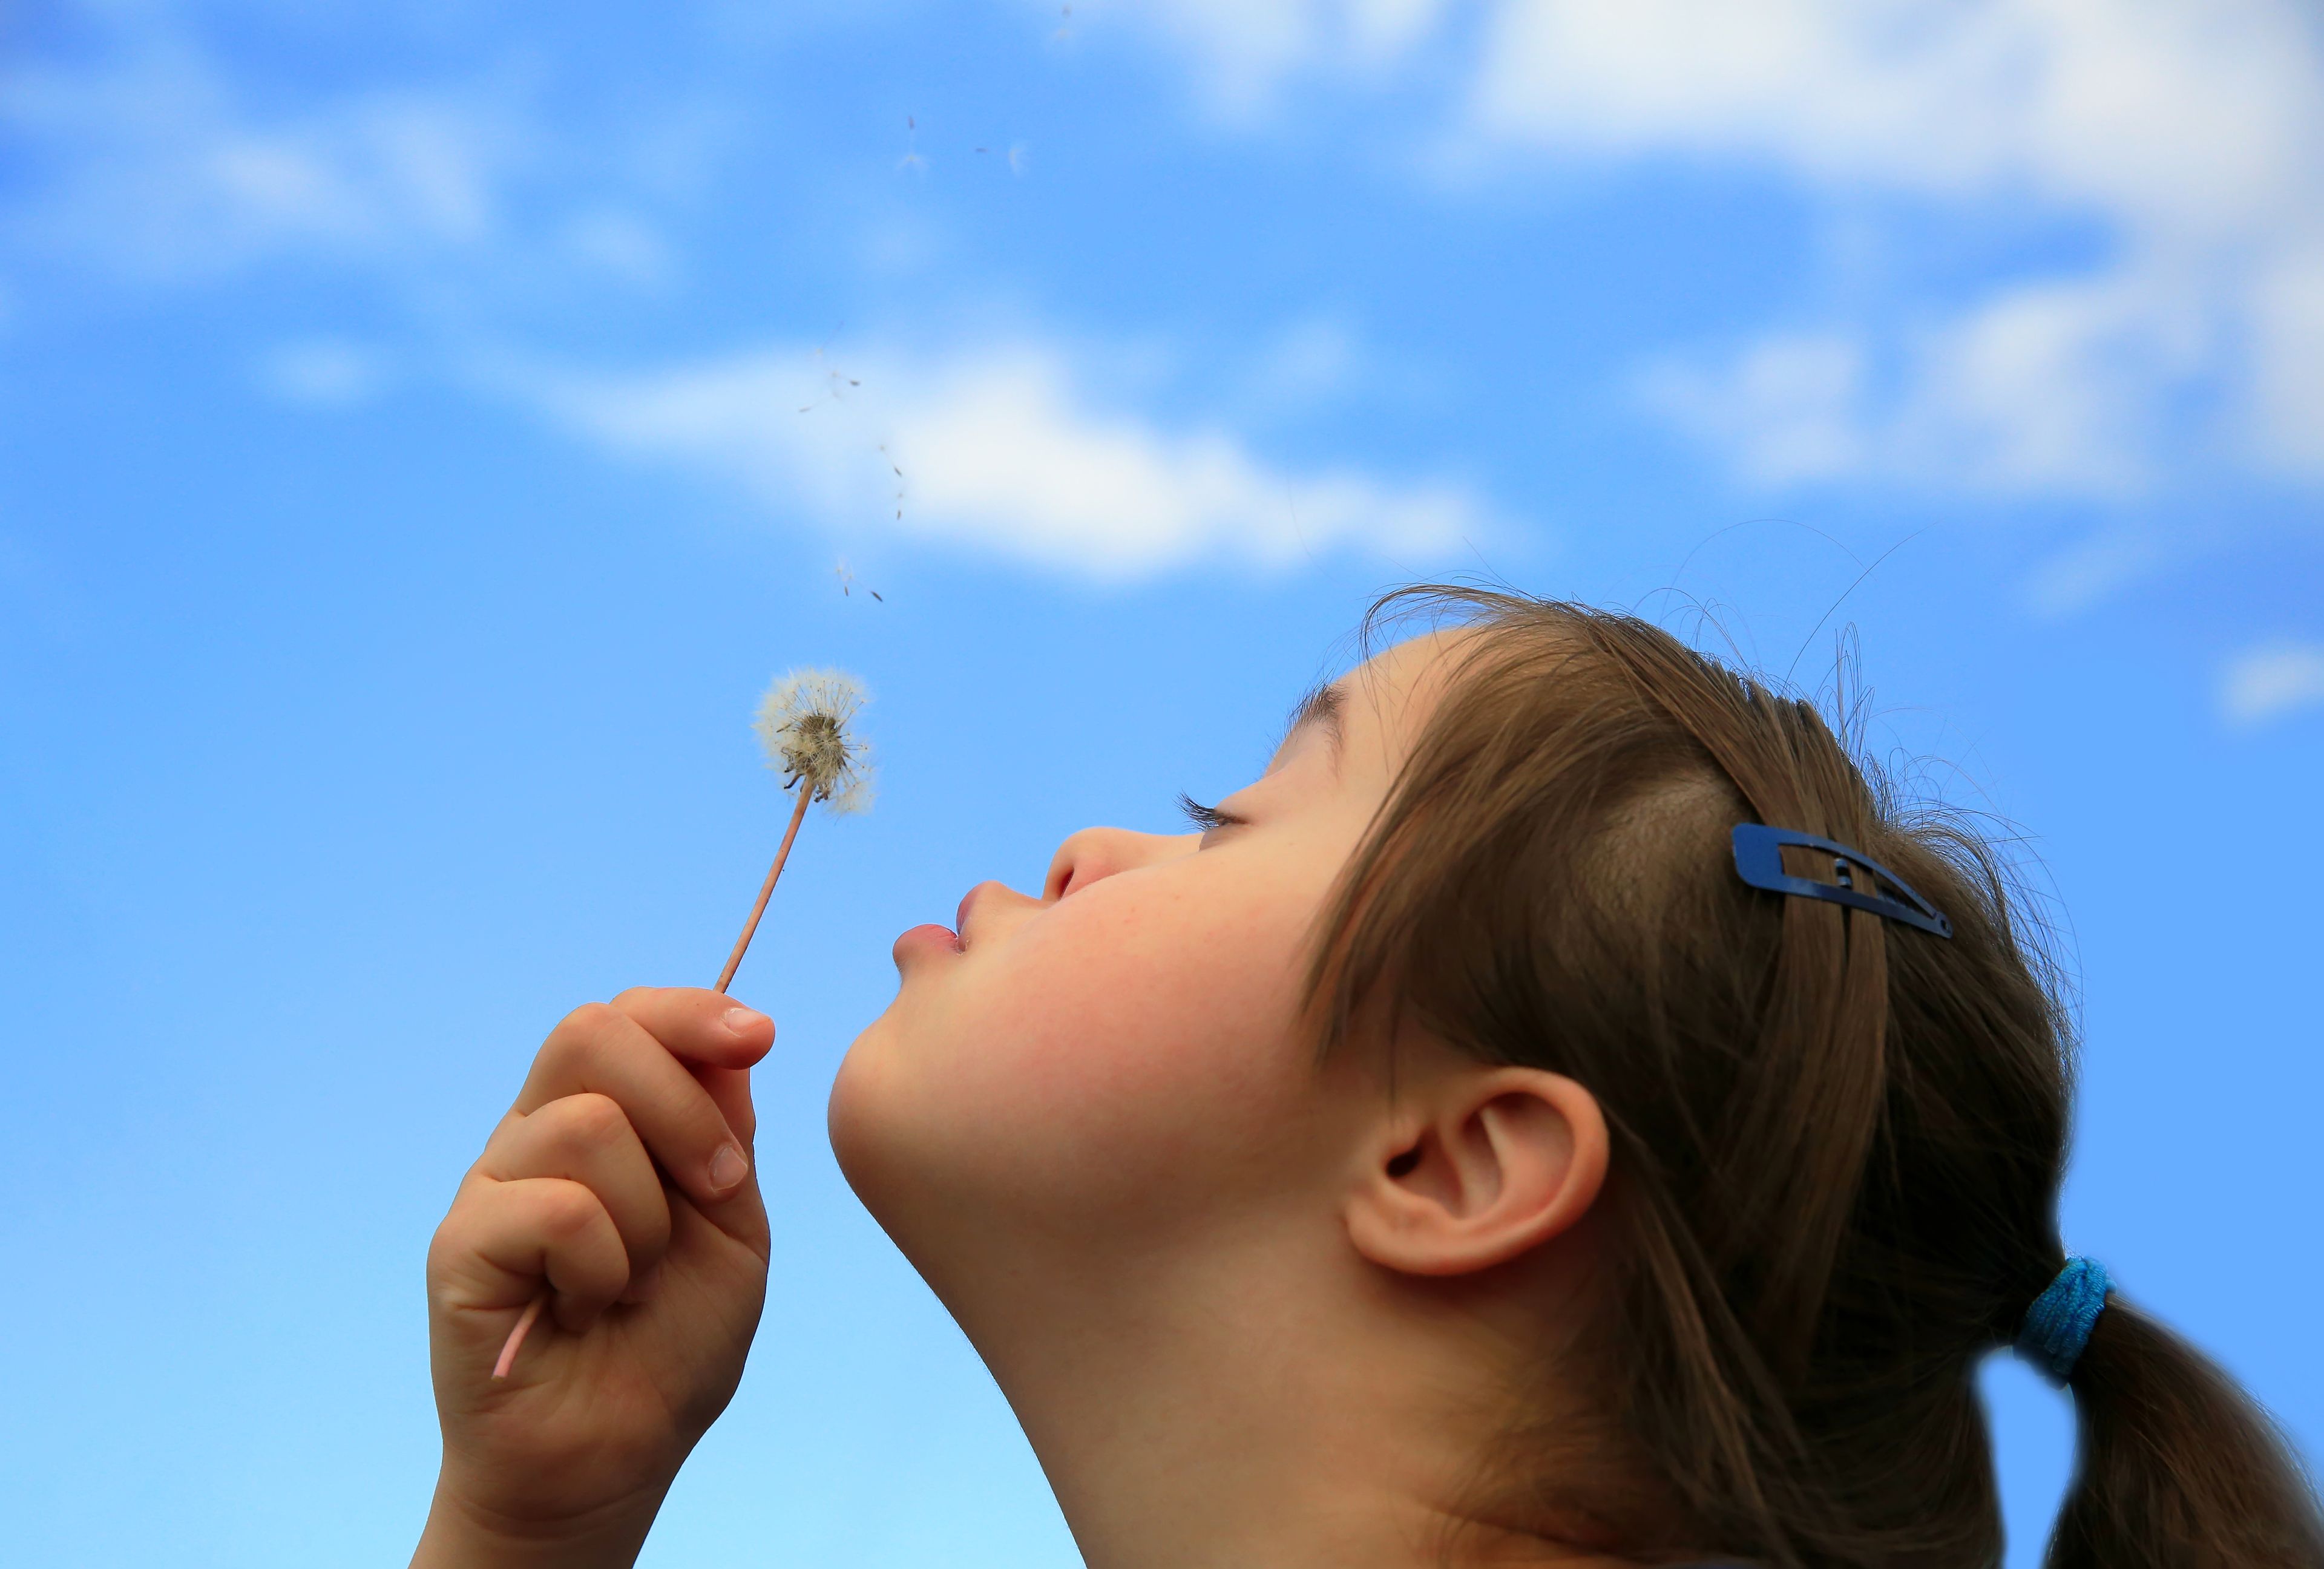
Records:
x=428, y=430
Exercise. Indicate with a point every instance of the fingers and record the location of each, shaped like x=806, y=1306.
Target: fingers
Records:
x=700, y=1025
x=683, y=1011
x=501, y=1237
x=602, y=1050
x=587, y=1139
x=730, y=1090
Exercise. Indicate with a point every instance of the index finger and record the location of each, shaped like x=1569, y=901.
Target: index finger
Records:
x=699, y=1025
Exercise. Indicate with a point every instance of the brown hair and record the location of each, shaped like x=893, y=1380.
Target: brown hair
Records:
x=1837, y=1141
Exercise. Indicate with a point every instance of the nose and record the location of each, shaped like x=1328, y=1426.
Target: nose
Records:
x=1093, y=853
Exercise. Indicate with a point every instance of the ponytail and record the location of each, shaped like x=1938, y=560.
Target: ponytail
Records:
x=2180, y=1469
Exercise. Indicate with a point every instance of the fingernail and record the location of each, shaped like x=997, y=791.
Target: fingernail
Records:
x=727, y=1167
x=744, y=1020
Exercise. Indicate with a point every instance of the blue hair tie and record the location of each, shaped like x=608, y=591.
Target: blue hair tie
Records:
x=2058, y=1325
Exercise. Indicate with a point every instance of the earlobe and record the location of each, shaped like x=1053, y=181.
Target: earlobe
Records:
x=1485, y=1167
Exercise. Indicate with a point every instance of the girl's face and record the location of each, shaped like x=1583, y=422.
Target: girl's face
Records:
x=1111, y=1065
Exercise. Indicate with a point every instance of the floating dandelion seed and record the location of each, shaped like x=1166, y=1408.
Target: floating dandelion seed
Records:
x=834, y=375
x=802, y=721
x=899, y=473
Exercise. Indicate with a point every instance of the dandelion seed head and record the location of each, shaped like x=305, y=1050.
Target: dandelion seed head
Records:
x=854, y=796
x=803, y=725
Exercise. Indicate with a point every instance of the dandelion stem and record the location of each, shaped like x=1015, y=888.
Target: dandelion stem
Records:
x=742, y=943
x=802, y=723
x=516, y=1337
x=733, y=962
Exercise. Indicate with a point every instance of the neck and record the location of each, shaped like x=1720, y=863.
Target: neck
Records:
x=1220, y=1410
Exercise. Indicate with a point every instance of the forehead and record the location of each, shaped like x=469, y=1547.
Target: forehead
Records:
x=1393, y=689
x=1377, y=703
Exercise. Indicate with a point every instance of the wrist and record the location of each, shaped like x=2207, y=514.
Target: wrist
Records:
x=460, y=1534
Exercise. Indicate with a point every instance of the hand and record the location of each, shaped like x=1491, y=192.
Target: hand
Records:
x=623, y=1180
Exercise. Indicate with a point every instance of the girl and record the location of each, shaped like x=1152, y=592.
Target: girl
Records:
x=1467, y=1149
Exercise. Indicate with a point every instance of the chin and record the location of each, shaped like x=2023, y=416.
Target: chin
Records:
x=890, y=1131
x=852, y=1116
x=898, y=1151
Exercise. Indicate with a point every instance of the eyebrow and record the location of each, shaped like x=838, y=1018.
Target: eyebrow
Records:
x=1322, y=706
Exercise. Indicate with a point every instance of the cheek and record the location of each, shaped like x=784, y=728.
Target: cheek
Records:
x=1126, y=1050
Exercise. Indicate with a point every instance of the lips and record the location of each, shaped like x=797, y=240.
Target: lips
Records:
x=930, y=936
x=954, y=937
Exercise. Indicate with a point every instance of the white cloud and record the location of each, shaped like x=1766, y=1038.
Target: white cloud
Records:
x=2047, y=386
x=2195, y=132
x=1785, y=406
x=2288, y=348
x=1245, y=49
x=2273, y=680
x=2192, y=134
x=1001, y=450
x=329, y=372
x=2190, y=115
x=153, y=165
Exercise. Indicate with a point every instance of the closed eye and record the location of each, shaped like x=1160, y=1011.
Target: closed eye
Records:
x=1206, y=818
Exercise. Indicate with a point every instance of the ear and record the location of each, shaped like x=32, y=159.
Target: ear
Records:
x=1482, y=1167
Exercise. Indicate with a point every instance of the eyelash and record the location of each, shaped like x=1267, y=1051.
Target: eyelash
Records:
x=1204, y=818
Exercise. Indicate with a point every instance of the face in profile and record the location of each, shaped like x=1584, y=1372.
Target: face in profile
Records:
x=1111, y=1068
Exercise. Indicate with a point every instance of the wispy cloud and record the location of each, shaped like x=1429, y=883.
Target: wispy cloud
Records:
x=151, y=157
x=1314, y=361
x=328, y=371
x=2092, y=568
x=2267, y=682
x=1784, y=408
x=1244, y=52
x=150, y=164
x=2062, y=387
x=2192, y=134
x=622, y=244
x=1002, y=450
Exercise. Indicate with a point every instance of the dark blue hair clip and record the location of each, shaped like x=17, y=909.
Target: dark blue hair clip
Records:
x=1759, y=862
